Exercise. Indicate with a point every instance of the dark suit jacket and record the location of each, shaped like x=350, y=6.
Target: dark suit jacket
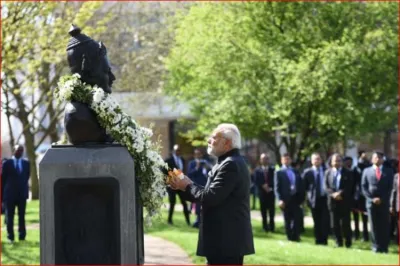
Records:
x=259, y=180
x=16, y=185
x=394, y=197
x=373, y=188
x=345, y=189
x=171, y=163
x=310, y=186
x=282, y=187
x=225, y=227
x=197, y=175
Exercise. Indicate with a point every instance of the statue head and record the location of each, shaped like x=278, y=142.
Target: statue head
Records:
x=89, y=59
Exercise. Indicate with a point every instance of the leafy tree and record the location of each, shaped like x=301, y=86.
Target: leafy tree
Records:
x=314, y=72
x=141, y=38
x=34, y=38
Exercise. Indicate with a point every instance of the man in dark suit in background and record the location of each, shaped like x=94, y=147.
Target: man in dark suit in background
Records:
x=225, y=234
x=289, y=190
x=339, y=185
x=314, y=185
x=3, y=205
x=176, y=161
x=359, y=199
x=197, y=172
x=264, y=180
x=15, y=177
x=377, y=183
x=394, y=204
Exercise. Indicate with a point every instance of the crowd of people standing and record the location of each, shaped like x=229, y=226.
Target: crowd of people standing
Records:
x=335, y=192
x=332, y=192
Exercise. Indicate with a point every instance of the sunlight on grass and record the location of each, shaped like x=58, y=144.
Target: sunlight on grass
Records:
x=270, y=248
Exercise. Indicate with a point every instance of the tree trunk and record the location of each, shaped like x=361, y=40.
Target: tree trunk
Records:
x=30, y=151
x=386, y=143
x=8, y=115
x=53, y=133
x=29, y=145
x=270, y=139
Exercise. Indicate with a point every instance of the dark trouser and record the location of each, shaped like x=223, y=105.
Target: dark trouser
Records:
x=253, y=194
x=356, y=232
x=172, y=201
x=292, y=215
x=379, y=221
x=10, y=211
x=395, y=217
x=393, y=227
x=237, y=260
x=340, y=218
x=198, y=213
x=320, y=216
x=302, y=229
x=267, y=204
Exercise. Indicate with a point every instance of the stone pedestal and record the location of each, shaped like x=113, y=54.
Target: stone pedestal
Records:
x=89, y=208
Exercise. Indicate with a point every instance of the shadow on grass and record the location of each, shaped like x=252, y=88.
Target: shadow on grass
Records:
x=306, y=237
x=18, y=253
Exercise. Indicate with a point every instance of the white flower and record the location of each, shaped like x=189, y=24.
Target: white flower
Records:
x=117, y=118
x=147, y=132
x=76, y=75
x=98, y=95
x=130, y=134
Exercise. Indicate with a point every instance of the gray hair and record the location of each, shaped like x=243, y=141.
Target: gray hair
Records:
x=230, y=131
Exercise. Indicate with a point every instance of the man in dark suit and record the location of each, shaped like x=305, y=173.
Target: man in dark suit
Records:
x=314, y=185
x=15, y=176
x=339, y=186
x=289, y=190
x=176, y=161
x=3, y=205
x=394, y=204
x=377, y=182
x=359, y=199
x=264, y=180
x=225, y=234
x=197, y=172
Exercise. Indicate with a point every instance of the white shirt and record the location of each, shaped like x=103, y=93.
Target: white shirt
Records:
x=178, y=161
x=321, y=174
x=374, y=166
x=337, y=173
x=17, y=162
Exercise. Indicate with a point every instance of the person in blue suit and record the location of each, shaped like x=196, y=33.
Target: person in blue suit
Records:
x=15, y=177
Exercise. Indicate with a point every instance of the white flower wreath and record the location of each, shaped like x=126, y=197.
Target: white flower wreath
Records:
x=150, y=165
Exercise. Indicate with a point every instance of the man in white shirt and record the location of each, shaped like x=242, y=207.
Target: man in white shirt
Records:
x=376, y=184
x=15, y=177
x=339, y=186
x=176, y=161
x=314, y=184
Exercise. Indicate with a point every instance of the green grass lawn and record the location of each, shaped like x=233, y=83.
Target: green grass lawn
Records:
x=274, y=249
x=270, y=248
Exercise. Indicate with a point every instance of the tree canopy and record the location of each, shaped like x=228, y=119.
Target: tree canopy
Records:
x=315, y=72
x=34, y=39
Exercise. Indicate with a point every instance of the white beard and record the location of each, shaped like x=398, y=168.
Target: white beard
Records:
x=210, y=151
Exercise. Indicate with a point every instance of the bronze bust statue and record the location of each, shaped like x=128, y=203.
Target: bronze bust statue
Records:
x=89, y=59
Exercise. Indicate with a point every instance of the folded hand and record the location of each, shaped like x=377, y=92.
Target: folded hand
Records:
x=180, y=184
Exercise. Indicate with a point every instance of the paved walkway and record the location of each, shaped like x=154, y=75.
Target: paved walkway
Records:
x=160, y=251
